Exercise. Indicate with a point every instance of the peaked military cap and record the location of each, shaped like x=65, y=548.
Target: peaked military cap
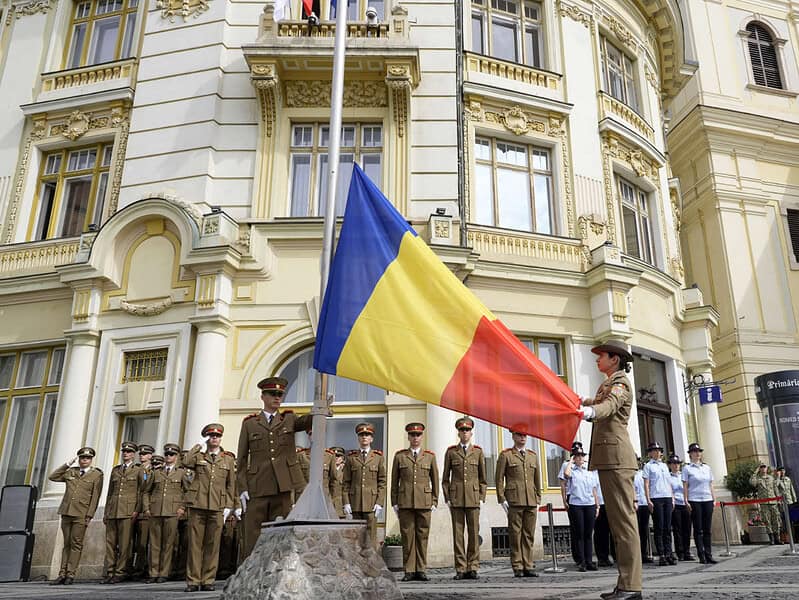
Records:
x=414, y=427
x=278, y=384
x=464, y=422
x=86, y=451
x=128, y=447
x=146, y=449
x=694, y=447
x=158, y=460
x=364, y=428
x=614, y=347
x=338, y=450
x=171, y=448
x=213, y=428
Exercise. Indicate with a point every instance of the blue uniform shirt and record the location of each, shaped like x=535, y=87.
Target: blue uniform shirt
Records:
x=581, y=486
x=638, y=484
x=599, y=491
x=699, y=478
x=675, y=479
x=658, y=475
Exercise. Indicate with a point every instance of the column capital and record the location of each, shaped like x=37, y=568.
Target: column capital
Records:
x=216, y=324
x=83, y=337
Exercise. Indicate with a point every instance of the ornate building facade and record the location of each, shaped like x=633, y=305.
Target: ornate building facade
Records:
x=162, y=173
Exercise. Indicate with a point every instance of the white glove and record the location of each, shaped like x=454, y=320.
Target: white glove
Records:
x=226, y=514
x=482, y=502
x=238, y=512
x=245, y=498
x=505, y=506
x=396, y=508
x=72, y=462
x=378, y=510
x=433, y=508
x=348, y=509
x=449, y=503
x=588, y=413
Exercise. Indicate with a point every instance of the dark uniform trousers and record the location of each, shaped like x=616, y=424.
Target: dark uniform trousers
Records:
x=163, y=532
x=141, y=535
x=182, y=550
x=617, y=487
x=681, y=527
x=205, y=534
x=414, y=548
x=466, y=559
x=521, y=530
x=643, y=516
x=118, y=543
x=74, y=529
x=262, y=509
x=228, y=548
x=603, y=542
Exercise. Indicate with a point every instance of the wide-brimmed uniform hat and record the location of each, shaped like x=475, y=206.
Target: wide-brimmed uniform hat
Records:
x=614, y=347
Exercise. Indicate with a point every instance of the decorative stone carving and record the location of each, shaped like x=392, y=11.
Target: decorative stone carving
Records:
x=211, y=225
x=23, y=8
x=147, y=309
x=621, y=32
x=192, y=211
x=588, y=227
x=185, y=8
x=267, y=85
x=576, y=14
x=76, y=125
x=398, y=84
x=474, y=111
x=516, y=121
x=652, y=78
x=302, y=94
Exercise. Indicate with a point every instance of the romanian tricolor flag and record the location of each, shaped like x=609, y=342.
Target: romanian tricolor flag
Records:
x=395, y=316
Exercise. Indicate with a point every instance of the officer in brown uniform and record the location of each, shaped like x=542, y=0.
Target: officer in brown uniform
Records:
x=518, y=482
x=365, y=481
x=141, y=529
x=268, y=467
x=464, y=484
x=122, y=507
x=84, y=485
x=414, y=496
x=328, y=470
x=163, y=504
x=337, y=489
x=210, y=498
x=612, y=455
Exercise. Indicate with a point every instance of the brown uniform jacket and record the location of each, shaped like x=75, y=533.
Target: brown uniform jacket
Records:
x=212, y=484
x=148, y=476
x=268, y=462
x=124, y=492
x=337, y=491
x=365, y=480
x=610, y=442
x=518, y=479
x=82, y=493
x=464, y=477
x=164, y=493
x=414, y=483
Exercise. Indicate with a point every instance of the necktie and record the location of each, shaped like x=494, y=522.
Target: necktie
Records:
x=82, y=472
x=270, y=419
x=521, y=452
x=213, y=457
x=415, y=453
x=168, y=470
x=464, y=448
x=124, y=468
x=363, y=455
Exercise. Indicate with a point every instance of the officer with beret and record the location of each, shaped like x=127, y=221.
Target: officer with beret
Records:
x=365, y=481
x=518, y=483
x=164, y=505
x=122, y=507
x=210, y=498
x=414, y=495
x=141, y=529
x=84, y=485
x=268, y=466
x=464, y=485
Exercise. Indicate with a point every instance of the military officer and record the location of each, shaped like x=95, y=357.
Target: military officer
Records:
x=765, y=487
x=784, y=486
x=210, y=498
x=84, y=485
x=141, y=529
x=464, y=484
x=157, y=462
x=337, y=491
x=122, y=507
x=518, y=482
x=163, y=503
x=414, y=496
x=328, y=470
x=365, y=481
x=612, y=455
x=268, y=467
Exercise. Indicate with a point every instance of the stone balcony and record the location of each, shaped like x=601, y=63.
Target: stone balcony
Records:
x=479, y=64
x=618, y=111
x=36, y=258
x=524, y=248
x=107, y=81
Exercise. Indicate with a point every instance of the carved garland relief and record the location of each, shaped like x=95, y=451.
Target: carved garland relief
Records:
x=26, y=8
x=185, y=8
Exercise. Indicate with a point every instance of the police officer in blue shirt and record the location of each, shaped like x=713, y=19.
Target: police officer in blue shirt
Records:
x=583, y=507
x=660, y=499
x=697, y=480
x=680, y=518
x=642, y=513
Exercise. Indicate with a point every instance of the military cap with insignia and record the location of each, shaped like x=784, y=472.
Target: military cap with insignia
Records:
x=616, y=347
x=215, y=428
x=171, y=449
x=414, y=427
x=146, y=449
x=128, y=447
x=464, y=422
x=276, y=384
x=364, y=428
x=338, y=450
x=86, y=452
x=157, y=459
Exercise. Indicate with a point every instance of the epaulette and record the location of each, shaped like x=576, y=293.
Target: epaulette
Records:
x=100, y=471
x=251, y=416
x=353, y=453
x=287, y=412
x=329, y=451
x=476, y=446
x=378, y=452
x=429, y=452
x=453, y=446
x=507, y=450
x=229, y=453
x=401, y=450
x=300, y=449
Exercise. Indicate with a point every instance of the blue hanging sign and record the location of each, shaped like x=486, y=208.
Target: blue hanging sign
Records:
x=709, y=394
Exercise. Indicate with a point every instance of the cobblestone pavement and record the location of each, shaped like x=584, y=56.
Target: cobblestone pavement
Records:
x=760, y=572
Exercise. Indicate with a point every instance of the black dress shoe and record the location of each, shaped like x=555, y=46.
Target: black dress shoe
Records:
x=472, y=575
x=422, y=576
x=161, y=580
x=671, y=560
x=460, y=576
x=622, y=595
x=58, y=581
x=208, y=587
x=607, y=595
x=647, y=560
x=68, y=580
x=408, y=577
x=688, y=557
x=605, y=563
x=582, y=568
x=517, y=573
x=192, y=588
x=529, y=573
x=710, y=560
x=591, y=566
x=663, y=562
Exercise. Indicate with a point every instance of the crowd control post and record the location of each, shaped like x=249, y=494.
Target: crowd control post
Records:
x=792, y=551
x=726, y=553
x=554, y=568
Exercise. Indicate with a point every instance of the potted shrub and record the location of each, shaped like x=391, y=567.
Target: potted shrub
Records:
x=392, y=552
x=758, y=533
x=738, y=482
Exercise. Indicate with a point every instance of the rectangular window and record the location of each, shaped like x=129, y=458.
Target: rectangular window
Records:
x=356, y=9
x=72, y=189
x=511, y=30
x=140, y=429
x=145, y=365
x=360, y=143
x=101, y=31
x=618, y=74
x=793, y=231
x=635, y=221
x=513, y=186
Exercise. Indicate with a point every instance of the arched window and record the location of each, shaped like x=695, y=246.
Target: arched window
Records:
x=763, y=56
x=301, y=375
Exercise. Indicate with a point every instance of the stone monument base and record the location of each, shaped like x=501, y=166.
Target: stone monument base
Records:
x=311, y=560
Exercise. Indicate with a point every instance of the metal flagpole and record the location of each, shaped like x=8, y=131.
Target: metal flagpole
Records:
x=314, y=503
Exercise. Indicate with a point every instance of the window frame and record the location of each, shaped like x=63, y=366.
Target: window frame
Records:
x=493, y=165
x=630, y=84
x=489, y=14
x=60, y=178
x=129, y=7
x=359, y=10
x=642, y=197
x=772, y=44
x=790, y=242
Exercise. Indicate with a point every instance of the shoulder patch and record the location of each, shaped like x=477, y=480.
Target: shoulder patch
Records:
x=229, y=453
x=353, y=453
x=329, y=451
x=378, y=452
x=429, y=452
x=248, y=417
